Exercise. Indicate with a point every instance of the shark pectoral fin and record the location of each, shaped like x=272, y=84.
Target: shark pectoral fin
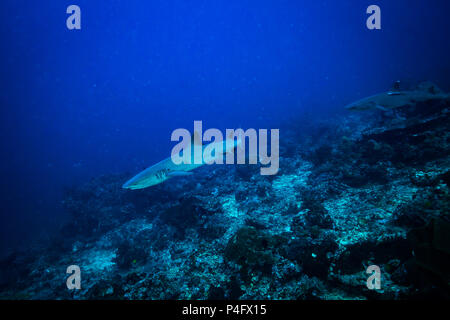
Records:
x=179, y=174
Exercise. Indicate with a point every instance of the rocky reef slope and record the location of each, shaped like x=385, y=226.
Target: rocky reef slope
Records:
x=353, y=191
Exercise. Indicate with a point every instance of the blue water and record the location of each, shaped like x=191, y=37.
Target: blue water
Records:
x=76, y=104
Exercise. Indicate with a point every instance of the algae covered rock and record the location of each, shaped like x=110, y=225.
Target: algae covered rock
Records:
x=253, y=250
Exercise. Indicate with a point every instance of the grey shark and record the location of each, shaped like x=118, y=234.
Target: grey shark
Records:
x=167, y=169
x=395, y=98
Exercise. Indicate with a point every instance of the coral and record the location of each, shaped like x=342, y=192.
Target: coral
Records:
x=314, y=257
x=317, y=215
x=130, y=254
x=184, y=215
x=431, y=246
x=321, y=154
x=252, y=250
x=353, y=190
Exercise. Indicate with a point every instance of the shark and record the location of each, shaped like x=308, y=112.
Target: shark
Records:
x=395, y=98
x=167, y=169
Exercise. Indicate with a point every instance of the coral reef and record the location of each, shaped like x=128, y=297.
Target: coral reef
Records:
x=353, y=191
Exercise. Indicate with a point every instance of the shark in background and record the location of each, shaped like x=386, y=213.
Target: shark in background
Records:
x=167, y=169
x=395, y=98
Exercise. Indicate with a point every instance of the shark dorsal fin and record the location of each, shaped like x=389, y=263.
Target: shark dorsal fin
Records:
x=196, y=138
x=395, y=86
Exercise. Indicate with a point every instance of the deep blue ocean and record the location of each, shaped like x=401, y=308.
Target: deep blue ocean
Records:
x=78, y=104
